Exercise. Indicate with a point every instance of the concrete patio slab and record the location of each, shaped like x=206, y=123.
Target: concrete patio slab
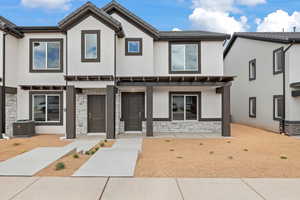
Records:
x=64, y=189
x=141, y=189
x=110, y=162
x=216, y=189
x=29, y=163
x=10, y=186
x=276, y=189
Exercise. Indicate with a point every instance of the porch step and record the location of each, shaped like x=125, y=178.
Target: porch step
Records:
x=83, y=145
x=132, y=143
x=29, y=163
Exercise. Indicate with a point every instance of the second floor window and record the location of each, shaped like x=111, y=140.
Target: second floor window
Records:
x=184, y=58
x=133, y=46
x=46, y=55
x=90, y=49
x=278, y=61
x=252, y=70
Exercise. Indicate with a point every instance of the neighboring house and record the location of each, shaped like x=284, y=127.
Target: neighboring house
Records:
x=266, y=91
x=105, y=70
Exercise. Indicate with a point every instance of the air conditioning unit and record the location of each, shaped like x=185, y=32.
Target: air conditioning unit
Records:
x=24, y=128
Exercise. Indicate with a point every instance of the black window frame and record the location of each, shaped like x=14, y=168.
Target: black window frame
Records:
x=250, y=70
x=140, y=40
x=252, y=100
x=47, y=70
x=83, y=58
x=275, y=97
x=170, y=57
x=274, y=61
x=61, y=101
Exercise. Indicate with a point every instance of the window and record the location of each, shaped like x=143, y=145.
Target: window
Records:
x=133, y=46
x=252, y=107
x=277, y=107
x=278, y=61
x=90, y=46
x=184, y=107
x=46, y=55
x=252, y=70
x=184, y=58
x=46, y=108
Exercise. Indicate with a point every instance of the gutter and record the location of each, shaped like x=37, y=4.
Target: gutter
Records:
x=283, y=87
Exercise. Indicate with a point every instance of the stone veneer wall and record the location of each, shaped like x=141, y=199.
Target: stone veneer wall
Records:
x=81, y=114
x=10, y=113
x=292, y=128
x=187, y=127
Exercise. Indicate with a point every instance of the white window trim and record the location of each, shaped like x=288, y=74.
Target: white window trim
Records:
x=85, y=46
x=46, y=108
x=46, y=56
x=184, y=110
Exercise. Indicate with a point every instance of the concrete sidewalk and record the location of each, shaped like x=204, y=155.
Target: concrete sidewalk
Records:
x=78, y=188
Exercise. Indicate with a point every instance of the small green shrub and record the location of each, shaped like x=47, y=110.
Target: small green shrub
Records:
x=228, y=142
x=75, y=156
x=201, y=144
x=92, y=152
x=172, y=150
x=179, y=157
x=97, y=148
x=105, y=141
x=60, y=166
x=102, y=144
x=167, y=140
x=16, y=144
x=211, y=152
x=245, y=149
x=87, y=153
x=230, y=157
x=283, y=157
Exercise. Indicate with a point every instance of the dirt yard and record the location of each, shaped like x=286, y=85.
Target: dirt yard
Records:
x=249, y=153
x=13, y=147
x=71, y=164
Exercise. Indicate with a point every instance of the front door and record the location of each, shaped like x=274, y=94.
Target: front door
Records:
x=96, y=114
x=133, y=110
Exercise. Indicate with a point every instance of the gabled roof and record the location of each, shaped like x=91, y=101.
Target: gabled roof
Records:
x=90, y=9
x=114, y=7
x=9, y=27
x=196, y=35
x=279, y=37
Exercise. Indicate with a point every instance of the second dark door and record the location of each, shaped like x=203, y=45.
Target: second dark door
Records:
x=133, y=110
x=96, y=114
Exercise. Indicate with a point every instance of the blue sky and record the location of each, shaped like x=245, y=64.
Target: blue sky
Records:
x=168, y=14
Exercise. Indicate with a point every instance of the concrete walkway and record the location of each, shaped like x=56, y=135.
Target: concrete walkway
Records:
x=118, y=161
x=78, y=188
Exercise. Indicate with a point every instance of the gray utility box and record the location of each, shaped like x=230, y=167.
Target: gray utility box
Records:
x=24, y=128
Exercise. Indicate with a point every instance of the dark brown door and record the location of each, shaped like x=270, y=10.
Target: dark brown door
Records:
x=133, y=110
x=96, y=114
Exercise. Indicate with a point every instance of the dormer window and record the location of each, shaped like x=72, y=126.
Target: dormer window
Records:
x=46, y=55
x=90, y=46
x=133, y=46
x=184, y=57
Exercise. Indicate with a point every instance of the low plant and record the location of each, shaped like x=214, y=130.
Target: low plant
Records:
x=228, y=142
x=60, y=166
x=283, y=157
x=87, y=153
x=92, y=152
x=172, y=150
x=16, y=144
x=102, y=144
x=167, y=140
x=201, y=144
x=179, y=157
x=230, y=157
x=211, y=152
x=75, y=156
x=245, y=149
x=105, y=140
x=97, y=148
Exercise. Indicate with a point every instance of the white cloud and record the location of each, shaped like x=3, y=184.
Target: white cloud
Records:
x=217, y=21
x=278, y=20
x=176, y=29
x=216, y=15
x=48, y=4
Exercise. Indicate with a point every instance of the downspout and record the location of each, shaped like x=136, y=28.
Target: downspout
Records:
x=283, y=86
x=66, y=58
x=3, y=84
x=115, y=59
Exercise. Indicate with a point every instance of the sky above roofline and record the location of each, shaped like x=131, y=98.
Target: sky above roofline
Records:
x=226, y=16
